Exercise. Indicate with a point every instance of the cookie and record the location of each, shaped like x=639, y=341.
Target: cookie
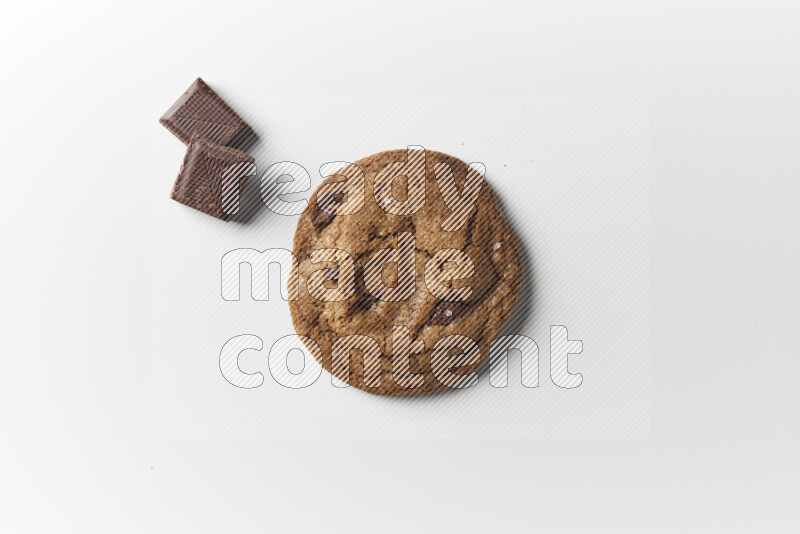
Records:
x=425, y=321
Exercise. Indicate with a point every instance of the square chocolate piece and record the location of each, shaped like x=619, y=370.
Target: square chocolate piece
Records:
x=200, y=110
x=210, y=179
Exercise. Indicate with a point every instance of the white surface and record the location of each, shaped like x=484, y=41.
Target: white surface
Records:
x=77, y=454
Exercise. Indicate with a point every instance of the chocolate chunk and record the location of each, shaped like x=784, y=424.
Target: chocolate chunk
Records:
x=211, y=177
x=365, y=302
x=326, y=202
x=446, y=312
x=201, y=111
x=331, y=277
x=322, y=218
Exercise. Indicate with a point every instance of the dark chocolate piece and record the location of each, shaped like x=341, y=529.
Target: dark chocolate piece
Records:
x=201, y=111
x=365, y=302
x=322, y=219
x=326, y=202
x=211, y=177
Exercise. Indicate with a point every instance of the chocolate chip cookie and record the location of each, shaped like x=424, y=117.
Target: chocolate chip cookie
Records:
x=407, y=272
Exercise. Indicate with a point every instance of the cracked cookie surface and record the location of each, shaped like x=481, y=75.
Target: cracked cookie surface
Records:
x=485, y=236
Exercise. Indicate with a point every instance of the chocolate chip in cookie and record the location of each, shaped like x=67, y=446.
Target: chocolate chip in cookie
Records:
x=326, y=203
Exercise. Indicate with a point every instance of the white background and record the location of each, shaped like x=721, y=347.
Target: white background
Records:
x=77, y=453
x=572, y=175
